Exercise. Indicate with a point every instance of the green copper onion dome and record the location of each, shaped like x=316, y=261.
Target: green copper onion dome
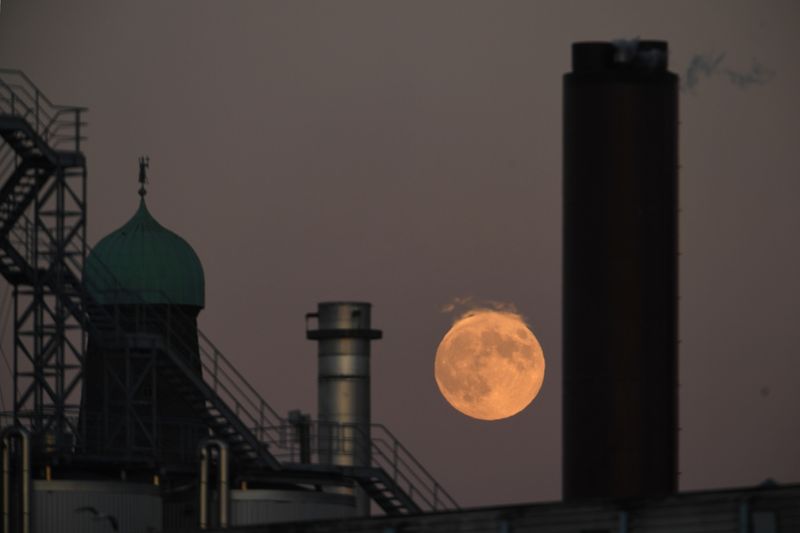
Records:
x=144, y=262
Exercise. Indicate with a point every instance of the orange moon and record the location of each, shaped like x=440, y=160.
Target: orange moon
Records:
x=489, y=365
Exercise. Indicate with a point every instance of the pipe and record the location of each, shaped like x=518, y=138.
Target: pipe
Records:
x=223, y=485
x=222, y=479
x=26, y=481
x=301, y=423
x=6, y=498
x=23, y=440
x=623, y=522
x=744, y=516
x=203, y=488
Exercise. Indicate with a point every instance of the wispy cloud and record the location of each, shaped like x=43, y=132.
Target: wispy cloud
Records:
x=464, y=306
x=457, y=303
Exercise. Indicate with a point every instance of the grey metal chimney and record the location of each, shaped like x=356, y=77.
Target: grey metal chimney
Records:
x=344, y=335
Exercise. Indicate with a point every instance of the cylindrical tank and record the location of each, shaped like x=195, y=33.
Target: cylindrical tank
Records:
x=268, y=506
x=95, y=506
x=620, y=274
x=344, y=334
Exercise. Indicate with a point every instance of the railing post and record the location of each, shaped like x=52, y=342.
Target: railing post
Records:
x=77, y=130
x=216, y=369
x=261, y=424
x=394, y=458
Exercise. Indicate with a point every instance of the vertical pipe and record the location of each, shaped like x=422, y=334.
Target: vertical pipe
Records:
x=623, y=522
x=344, y=335
x=6, y=485
x=744, y=516
x=23, y=447
x=223, y=485
x=222, y=479
x=26, y=480
x=203, y=488
x=301, y=424
x=620, y=272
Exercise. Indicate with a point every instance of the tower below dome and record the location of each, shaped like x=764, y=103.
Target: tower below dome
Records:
x=145, y=288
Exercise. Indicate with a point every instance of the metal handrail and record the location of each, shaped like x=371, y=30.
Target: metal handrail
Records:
x=21, y=97
x=401, y=453
x=385, y=451
x=29, y=84
x=186, y=427
x=21, y=74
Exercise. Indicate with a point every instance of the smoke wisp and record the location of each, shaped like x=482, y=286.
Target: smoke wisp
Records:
x=703, y=66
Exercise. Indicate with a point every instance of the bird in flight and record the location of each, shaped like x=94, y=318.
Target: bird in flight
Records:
x=100, y=516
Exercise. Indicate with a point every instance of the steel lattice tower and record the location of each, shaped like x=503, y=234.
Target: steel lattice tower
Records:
x=42, y=249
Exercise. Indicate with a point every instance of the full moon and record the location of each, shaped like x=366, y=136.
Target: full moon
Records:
x=489, y=365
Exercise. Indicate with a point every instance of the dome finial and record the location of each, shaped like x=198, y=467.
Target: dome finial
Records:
x=144, y=164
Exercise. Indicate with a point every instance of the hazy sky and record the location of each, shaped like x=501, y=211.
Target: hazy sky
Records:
x=407, y=153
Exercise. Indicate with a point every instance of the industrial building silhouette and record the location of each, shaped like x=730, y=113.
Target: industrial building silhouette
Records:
x=126, y=417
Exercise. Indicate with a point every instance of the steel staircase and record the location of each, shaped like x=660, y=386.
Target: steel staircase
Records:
x=386, y=492
x=20, y=190
x=226, y=425
x=395, y=480
x=32, y=129
x=260, y=438
x=223, y=420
